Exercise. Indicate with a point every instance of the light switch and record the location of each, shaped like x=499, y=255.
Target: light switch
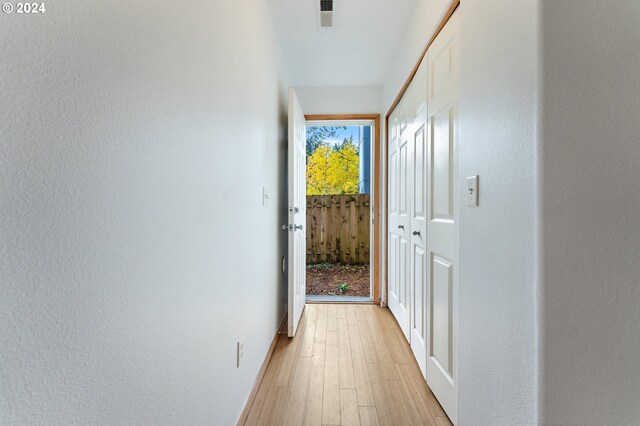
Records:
x=265, y=197
x=472, y=191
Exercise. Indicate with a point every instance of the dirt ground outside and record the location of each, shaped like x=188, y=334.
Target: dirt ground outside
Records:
x=326, y=279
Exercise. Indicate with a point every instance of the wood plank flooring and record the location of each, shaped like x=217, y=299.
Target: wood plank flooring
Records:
x=348, y=365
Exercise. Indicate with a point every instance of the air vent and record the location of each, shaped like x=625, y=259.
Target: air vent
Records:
x=326, y=14
x=326, y=5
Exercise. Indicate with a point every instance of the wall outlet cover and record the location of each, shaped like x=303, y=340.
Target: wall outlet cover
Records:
x=239, y=352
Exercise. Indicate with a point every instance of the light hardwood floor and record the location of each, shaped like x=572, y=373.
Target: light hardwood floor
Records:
x=348, y=365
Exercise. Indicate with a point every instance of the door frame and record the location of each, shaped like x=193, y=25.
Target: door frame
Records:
x=376, y=259
x=452, y=8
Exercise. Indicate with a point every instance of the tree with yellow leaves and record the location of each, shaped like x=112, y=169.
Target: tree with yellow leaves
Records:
x=318, y=171
x=333, y=171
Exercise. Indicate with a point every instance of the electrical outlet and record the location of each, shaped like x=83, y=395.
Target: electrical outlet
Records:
x=239, y=353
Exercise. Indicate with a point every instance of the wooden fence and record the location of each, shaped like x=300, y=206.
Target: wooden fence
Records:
x=338, y=228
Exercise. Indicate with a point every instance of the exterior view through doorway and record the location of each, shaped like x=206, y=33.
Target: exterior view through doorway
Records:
x=341, y=182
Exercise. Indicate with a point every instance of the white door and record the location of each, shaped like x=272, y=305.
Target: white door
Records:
x=392, y=238
x=418, y=217
x=399, y=223
x=297, y=212
x=442, y=209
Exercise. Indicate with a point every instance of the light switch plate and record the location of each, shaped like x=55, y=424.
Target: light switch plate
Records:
x=472, y=191
x=265, y=197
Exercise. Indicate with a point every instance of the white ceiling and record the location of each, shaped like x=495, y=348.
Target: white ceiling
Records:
x=355, y=53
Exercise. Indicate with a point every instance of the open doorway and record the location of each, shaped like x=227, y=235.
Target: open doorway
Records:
x=339, y=210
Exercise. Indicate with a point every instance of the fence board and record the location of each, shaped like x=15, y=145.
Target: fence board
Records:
x=338, y=228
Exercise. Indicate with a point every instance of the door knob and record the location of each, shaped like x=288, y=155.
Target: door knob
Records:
x=416, y=232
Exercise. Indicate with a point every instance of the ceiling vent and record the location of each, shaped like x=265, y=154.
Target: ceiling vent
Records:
x=326, y=14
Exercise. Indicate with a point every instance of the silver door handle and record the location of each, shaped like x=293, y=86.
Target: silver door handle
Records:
x=298, y=227
x=416, y=232
x=285, y=227
x=400, y=226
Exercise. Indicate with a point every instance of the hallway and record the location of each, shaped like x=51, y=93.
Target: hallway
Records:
x=348, y=365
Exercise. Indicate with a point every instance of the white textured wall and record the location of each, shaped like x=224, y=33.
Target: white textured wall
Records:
x=421, y=26
x=340, y=100
x=498, y=276
x=135, y=138
x=498, y=240
x=591, y=214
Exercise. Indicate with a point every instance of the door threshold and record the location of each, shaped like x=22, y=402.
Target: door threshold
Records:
x=339, y=299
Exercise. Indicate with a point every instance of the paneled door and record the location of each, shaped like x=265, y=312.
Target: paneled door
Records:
x=418, y=218
x=297, y=163
x=393, y=195
x=399, y=223
x=442, y=209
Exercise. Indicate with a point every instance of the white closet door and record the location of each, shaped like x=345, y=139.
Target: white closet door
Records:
x=418, y=219
x=408, y=170
x=392, y=237
x=404, y=223
x=442, y=238
x=399, y=224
